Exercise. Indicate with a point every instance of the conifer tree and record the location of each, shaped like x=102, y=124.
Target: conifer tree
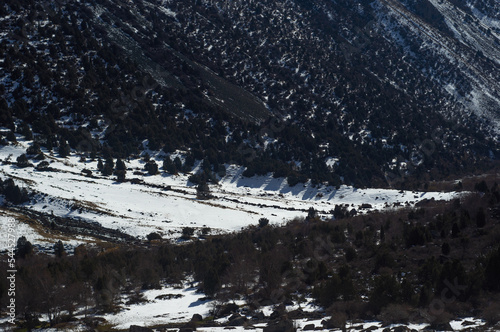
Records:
x=59, y=250
x=120, y=170
x=64, y=149
x=24, y=247
x=203, y=191
x=108, y=167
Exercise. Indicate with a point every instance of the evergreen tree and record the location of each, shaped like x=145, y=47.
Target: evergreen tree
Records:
x=151, y=167
x=24, y=247
x=100, y=165
x=203, y=191
x=480, y=218
x=13, y=193
x=11, y=137
x=26, y=131
x=33, y=149
x=445, y=249
x=64, y=149
x=178, y=163
x=59, y=250
x=386, y=290
x=120, y=170
x=169, y=166
x=481, y=187
x=107, y=170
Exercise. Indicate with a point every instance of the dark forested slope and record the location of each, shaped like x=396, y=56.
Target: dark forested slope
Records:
x=396, y=92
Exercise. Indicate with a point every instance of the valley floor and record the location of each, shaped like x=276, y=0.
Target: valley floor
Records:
x=166, y=204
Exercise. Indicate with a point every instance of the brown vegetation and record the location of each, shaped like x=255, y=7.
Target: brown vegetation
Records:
x=386, y=265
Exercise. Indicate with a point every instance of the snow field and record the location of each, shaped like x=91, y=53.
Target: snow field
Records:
x=166, y=204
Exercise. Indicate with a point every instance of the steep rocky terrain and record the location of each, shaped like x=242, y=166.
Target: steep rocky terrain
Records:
x=382, y=93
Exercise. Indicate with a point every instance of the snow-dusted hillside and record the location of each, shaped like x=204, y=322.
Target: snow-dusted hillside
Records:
x=166, y=204
x=276, y=86
x=178, y=303
x=470, y=53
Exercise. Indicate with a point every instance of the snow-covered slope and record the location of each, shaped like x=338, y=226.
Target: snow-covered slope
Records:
x=471, y=54
x=168, y=203
x=178, y=303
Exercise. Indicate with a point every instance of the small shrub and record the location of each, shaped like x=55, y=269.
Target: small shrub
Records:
x=22, y=161
x=153, y=236
x=187, y=232
x=263, y=222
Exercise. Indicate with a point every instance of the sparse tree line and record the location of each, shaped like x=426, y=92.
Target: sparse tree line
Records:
x=386, y=266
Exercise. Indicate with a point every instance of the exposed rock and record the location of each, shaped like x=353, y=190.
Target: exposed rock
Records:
x=400, y=328
x=228, y=309
x=467, y=323
x=278, y=312
x=266, y=302
x=284, y=325
x=259, y=315
x=309, y=327
x=440, y=327
x=186, y=329
x=295, y=314
x=196, y=318
x=371, y=328
x=135, y=328
x=237, y=320
x=337, y=321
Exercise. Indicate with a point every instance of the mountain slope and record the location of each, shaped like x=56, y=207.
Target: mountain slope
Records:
x=397, y=93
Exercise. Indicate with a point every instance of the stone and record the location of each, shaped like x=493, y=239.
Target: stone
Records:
x=284, y=325
x=309, y=327
x=136, y=328
x=196, y=318
x=237, y=320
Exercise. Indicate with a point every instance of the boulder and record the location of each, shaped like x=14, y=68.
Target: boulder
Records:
x=135, y=328
x=196, y=318
x=278, y=312
x=309, y=327
x=237, y=320
x=228, y=309
x=187, y=329
x=259, y=315
x=296, y=314
x=280, y=325
x=440, y=327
